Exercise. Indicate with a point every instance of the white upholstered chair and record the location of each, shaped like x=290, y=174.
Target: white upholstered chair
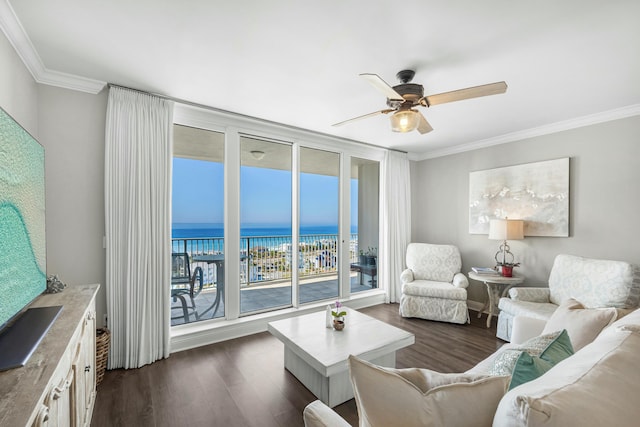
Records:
x=432, y=286
x=594, y=283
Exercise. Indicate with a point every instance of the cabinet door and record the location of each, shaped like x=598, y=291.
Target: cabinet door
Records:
x=58, y=405
x=78, y=387
x=89, y=351
x=84, y=363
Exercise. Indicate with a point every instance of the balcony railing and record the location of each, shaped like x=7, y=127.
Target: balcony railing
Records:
x=268, y=259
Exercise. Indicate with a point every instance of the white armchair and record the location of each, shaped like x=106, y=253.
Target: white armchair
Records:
x=594, y=283
x=432, y=285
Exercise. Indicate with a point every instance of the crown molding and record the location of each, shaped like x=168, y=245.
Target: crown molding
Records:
x=17, y=36
x=592, y=119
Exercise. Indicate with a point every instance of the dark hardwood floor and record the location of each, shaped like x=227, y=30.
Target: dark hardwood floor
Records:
x=242, y=382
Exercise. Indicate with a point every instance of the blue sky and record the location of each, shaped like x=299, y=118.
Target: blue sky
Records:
x=197, y=191
x=265, y=195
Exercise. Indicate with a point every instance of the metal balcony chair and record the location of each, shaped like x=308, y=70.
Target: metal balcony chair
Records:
x=185, y=285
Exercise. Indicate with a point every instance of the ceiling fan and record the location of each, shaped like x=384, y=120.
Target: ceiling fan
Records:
x=402, y=99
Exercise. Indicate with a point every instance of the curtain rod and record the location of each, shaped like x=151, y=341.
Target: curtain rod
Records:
x=218, y=110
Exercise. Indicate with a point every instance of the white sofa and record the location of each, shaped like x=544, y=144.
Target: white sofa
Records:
x=597, y=386
x=595, y=283
x=433, y=287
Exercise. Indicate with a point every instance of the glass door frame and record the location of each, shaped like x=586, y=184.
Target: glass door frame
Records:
x=234, y=126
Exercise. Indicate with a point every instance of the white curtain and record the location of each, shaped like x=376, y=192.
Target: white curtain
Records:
x=396, y=221
x=138, y=150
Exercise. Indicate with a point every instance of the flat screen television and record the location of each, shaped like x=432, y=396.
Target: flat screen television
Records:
x=22, y=239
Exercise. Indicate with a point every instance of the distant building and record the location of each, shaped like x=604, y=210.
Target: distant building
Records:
x=326, y=259
x=287, y=248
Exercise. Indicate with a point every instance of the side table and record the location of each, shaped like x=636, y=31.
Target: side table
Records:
x=497, y=287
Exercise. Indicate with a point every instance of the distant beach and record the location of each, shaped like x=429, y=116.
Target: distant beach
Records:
x=317, y=253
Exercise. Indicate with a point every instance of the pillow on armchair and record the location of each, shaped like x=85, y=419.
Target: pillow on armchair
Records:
x=582, y=324
x=421, y=397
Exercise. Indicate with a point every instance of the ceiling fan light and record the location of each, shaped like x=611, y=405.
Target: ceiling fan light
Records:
x=404, y=120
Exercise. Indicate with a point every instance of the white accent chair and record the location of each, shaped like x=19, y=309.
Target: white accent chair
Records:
x=433, y=287
x=594, y=283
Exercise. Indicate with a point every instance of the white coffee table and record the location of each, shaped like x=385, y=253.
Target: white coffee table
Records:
x=317, y=355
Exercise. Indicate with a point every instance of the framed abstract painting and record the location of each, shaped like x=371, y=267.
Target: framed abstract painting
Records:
x=537, y=193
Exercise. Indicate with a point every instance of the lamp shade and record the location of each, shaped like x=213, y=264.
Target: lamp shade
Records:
x=506, y=229
x=404, y=120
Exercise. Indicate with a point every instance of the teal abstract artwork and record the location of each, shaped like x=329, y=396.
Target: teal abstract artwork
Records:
x=22, y=218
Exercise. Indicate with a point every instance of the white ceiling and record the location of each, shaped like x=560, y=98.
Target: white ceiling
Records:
x=297, y=62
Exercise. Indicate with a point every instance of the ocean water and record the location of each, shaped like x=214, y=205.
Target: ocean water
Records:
x=210, y=236
x=194, y=231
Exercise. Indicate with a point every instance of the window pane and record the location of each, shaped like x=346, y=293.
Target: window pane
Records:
x=318, y=247
x=197, y=231
x=265, y=225
x=365, y=179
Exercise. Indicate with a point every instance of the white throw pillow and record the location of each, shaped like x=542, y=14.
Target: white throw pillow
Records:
x=582, y=324
x=420, y=397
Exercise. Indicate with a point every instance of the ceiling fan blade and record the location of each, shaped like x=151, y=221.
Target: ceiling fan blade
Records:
x=377, y=82
x=470, y=92
x=364, y=117
x=423, y=126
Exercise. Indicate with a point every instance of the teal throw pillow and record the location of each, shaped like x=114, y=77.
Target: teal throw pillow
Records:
x=529, y=367
x=506, y=360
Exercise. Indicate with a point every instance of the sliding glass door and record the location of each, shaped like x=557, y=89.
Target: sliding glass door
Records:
x=271, y=219
x=319, y=197
x=365, y=224
x=197, y=229
x=265, y=225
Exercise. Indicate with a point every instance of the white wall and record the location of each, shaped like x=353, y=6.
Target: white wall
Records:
x=604, y=198
x=70, y=125
x=18, y=89
x=71, y=128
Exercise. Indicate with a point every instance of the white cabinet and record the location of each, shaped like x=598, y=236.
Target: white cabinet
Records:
x=57, y=387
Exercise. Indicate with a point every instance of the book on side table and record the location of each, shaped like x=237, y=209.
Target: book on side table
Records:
x=485, y=270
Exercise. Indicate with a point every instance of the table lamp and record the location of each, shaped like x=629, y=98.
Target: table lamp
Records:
x=505, y=229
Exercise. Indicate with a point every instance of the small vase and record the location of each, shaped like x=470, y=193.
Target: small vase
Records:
x=507, y=271
x=338, y=323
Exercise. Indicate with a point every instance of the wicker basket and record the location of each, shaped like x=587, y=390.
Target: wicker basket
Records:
x=103, y=339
